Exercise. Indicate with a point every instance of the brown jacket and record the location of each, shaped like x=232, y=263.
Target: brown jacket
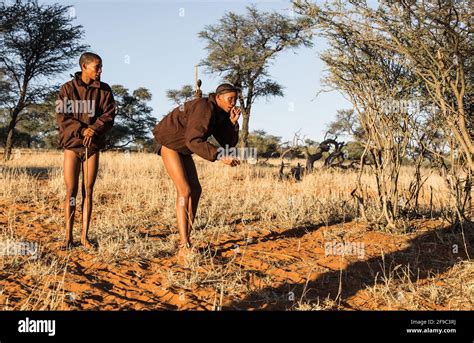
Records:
x=93, y=106
x=187, y=128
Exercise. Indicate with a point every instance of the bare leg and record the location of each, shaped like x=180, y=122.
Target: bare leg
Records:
x=72, y=165
x=175, y=167
x=196, y=190
x=89, y=175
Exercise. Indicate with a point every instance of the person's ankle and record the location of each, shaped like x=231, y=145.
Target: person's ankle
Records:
x=183, y=245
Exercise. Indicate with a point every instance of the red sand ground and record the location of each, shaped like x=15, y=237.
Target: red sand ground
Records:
x=276, y=268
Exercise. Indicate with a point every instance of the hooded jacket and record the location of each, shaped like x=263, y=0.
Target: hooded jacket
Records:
x=80, y=106
x=187, y=128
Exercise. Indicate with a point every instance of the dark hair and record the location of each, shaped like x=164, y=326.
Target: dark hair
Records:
x=226, y=88
x=88, y=57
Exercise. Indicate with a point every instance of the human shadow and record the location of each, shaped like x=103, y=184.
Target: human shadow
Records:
x=432, y=252
x=40, y=173
x=295, y=232
x=110, y=290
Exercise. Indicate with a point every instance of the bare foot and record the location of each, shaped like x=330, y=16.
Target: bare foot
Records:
x=87, y=244
x=66, y=245
x=185, y=253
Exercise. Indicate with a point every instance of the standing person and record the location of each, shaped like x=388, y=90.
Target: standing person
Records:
x=185, y=131
x=85, y=111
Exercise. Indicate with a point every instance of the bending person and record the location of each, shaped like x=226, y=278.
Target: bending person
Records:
x=185, y=131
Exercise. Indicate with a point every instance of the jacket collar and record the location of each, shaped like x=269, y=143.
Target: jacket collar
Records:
x=78, y=77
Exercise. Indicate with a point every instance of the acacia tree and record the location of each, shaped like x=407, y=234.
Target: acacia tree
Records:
x=436, y=40
x=134, y=121
x=36, y=41
x=6, y=90
x=241, y=48
x=371, y=79
x=432, y=40
x=180, y=96
x=346, y=123
x=40, y=122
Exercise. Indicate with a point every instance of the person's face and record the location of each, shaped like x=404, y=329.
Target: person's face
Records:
x=226, y=100
x=93, y=70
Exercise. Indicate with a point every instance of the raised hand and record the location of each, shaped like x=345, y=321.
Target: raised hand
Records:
x=235, y=114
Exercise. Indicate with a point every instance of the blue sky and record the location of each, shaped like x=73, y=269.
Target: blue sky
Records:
x=155, y=44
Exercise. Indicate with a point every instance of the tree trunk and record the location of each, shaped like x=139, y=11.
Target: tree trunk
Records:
x=246, y=106
x=14, y=119
x=471, y=197
x=245, y=130
x=245, y=122
x=10, y=135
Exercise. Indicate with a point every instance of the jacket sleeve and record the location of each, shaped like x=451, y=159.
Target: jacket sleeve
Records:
x=68, y=125
x=197, y=128
x=227, y=133
x=105, y=122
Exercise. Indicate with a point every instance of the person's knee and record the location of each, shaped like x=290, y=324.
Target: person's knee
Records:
x=71, y=197
x=184, y=192
x=88, y=189
x=71, y=191
x=183, y=195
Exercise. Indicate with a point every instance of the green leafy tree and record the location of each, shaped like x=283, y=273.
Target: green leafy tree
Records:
x=180, y=96
x=36, y=41
x=266, y=145
x=242, y=47
x=134, y=121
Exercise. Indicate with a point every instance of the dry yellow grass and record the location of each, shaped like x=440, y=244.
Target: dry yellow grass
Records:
x=261, y=242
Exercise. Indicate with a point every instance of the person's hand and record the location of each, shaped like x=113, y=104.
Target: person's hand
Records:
x=88, y=134
x=235, y=114
x=230, y=161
